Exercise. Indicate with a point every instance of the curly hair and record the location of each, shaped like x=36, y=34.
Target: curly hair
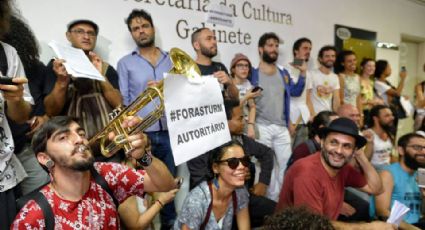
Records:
x=5, y=12
x=340, y=59
x=23, y=40
x=297, y=218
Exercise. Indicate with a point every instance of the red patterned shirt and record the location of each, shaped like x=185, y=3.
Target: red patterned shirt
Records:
x=95, y=210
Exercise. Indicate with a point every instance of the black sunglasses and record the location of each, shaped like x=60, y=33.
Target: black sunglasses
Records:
x=233, y=162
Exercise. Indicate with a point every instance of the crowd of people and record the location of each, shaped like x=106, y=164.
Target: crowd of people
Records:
x=310, y=149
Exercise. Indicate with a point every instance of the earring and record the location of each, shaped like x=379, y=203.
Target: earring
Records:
x=215, y=181
x=50, y=164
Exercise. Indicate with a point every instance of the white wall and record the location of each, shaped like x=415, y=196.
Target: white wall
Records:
x=310, y=18
x=313, y=19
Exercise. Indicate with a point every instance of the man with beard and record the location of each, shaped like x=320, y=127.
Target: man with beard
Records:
x=142, y=68
x=87, y=99
x=323, y=89
x=205, y=44
x=318, y=181
x=73, y=197
x=273, y=106
x=300, y=114
x=400, y=181
x=382, y=124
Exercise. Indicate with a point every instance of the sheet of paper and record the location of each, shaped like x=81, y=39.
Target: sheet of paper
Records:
x=398, y=211
x=196, y=118
x=76, y=62
x=219, y=14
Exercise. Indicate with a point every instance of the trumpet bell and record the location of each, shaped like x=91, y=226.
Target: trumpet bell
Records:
x=183, y=64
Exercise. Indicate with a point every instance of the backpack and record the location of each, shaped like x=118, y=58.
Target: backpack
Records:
x=40, y=199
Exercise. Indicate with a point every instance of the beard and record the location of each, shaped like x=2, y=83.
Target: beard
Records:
x=328, y=65
x=325, y=155
x=389, y=128
x=76, y=164
x=147, y=43
x=210, y=53
x=268, y=58
x=411, y=162
x=82, y=165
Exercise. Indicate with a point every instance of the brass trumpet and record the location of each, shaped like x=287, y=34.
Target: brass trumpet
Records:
x=182, y=64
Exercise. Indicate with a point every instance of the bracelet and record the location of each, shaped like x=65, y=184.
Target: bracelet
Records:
x=160, y=203
x=250, y=123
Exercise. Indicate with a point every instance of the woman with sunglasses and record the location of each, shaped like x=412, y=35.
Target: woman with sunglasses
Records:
x=222, y=201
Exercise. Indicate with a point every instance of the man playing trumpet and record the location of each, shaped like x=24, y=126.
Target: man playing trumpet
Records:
x=74, y=196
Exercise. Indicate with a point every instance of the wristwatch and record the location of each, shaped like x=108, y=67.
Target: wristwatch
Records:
x=146, y=159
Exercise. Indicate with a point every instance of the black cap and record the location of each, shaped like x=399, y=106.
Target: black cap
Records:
x=345, y=126
x=83, y=21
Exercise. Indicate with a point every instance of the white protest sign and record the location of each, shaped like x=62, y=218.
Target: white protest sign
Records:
x=196, y=117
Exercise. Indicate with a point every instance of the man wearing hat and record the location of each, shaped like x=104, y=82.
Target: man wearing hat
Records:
x=87, y=99
x=318, y=181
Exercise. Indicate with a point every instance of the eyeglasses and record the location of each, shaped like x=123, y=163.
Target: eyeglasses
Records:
x=241, y=66
x=417, y=147
x=233, y=162
x=82, y=33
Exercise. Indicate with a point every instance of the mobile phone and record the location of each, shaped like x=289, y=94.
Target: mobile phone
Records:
x=6, y=81
x=256, y=88
x=180, y=182
x=421, y=177
x=403, y=69
x=298, y=62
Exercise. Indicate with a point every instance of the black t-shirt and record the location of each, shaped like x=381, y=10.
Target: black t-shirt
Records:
x=214, y=67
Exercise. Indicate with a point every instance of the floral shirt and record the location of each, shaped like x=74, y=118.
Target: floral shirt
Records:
x=95, y=210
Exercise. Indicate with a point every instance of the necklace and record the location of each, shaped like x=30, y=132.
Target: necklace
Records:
x=53, y=186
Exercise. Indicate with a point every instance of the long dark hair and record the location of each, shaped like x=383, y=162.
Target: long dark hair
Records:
x=374, y=112
x=23, y=40
x=380, y=67
x=338, y=67
x=5, y=12
x=216, y=155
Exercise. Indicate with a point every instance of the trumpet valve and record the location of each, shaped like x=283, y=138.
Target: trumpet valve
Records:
x=120, y=139
x=112, y=115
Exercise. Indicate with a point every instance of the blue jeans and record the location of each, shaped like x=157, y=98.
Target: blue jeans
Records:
x=161, y=149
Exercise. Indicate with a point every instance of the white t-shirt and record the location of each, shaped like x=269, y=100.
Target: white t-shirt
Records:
x=12, y=170
x=298, y=105
x=322, y=87
x=381, y=151
x=244, y=88
x=381, y=89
